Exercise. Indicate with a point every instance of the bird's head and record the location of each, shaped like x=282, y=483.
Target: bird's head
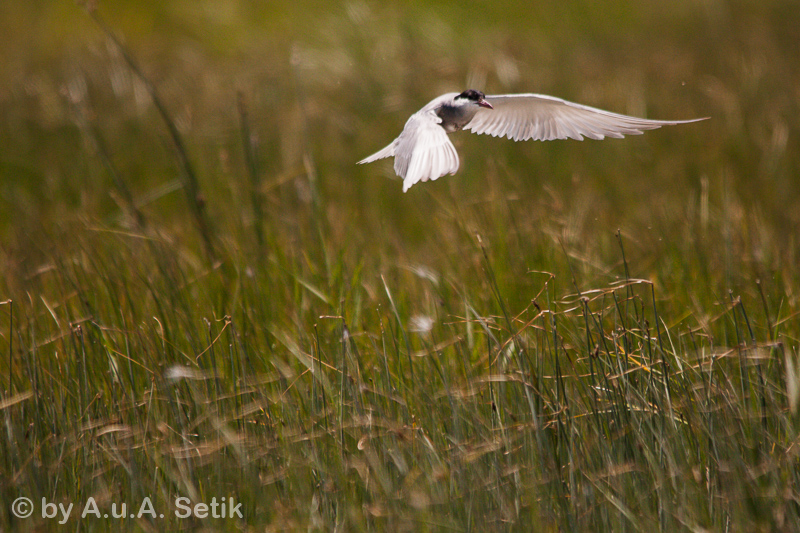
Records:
x=471, y=96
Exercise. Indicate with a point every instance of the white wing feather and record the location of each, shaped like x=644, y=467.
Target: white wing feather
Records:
x=521, y=117
x=422, y=152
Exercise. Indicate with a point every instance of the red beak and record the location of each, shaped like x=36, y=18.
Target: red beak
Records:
x=484, y=103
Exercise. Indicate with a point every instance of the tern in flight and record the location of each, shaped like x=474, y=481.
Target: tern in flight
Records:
x=423, y=152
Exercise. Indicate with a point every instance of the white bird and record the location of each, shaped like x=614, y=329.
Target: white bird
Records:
x=423, y=152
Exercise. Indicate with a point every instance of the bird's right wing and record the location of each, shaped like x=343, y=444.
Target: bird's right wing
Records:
x=543, y=118
x=423, y=152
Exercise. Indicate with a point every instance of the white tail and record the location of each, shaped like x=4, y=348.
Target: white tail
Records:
x=386, y=152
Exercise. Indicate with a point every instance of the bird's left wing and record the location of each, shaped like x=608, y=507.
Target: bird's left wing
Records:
x=543, y=118
x=423, y=152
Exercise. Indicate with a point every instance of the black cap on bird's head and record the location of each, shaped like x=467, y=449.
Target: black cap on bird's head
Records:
x=475, y=96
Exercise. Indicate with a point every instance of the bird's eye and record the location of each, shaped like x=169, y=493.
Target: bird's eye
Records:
x=471, y=94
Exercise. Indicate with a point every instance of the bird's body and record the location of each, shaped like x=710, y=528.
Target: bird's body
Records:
x=423, y=151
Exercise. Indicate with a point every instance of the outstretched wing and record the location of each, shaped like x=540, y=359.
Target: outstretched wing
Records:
x=423, y=152
x=543, y=118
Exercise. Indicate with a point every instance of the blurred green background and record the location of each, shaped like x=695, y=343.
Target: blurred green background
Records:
x=325, y=84
x=337, y=81
x=280, y=255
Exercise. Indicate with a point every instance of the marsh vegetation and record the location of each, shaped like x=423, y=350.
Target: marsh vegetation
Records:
x=201, y=294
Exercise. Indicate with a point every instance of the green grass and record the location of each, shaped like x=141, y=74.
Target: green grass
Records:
x=211, y=300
